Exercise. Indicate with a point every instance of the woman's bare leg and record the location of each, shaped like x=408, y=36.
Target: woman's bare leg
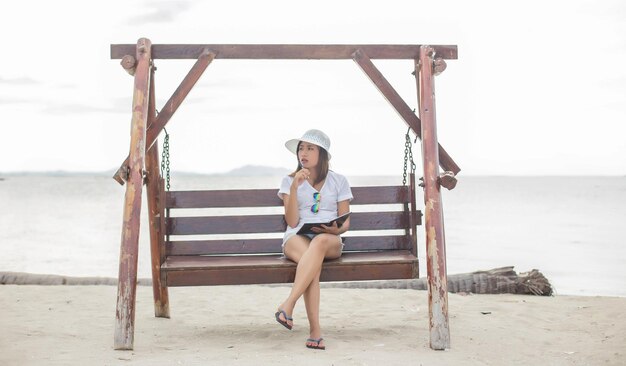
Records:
x=312, y=297
x=312, y=303
x=308, y=273
x=294, y=249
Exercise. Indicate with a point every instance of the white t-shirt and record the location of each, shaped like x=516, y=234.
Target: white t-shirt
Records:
x=335, y=189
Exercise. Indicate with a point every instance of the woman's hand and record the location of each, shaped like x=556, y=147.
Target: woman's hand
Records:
x=333, y=229
x=343, y=207
x=302, y=175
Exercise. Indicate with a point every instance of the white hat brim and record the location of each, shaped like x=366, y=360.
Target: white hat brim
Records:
x=292, y=145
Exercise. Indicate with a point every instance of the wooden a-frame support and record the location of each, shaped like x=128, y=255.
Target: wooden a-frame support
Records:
x=142, y=163
x=127, y=280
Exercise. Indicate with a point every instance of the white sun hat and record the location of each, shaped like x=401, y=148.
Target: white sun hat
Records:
x=316, y=137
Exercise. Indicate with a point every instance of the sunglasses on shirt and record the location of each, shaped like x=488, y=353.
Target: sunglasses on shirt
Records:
x=316, y=206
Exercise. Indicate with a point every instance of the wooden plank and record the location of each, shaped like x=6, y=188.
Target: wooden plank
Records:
x=198, y=271
x=250, y=276
x=163, y=229
x=379, y=195
x=201, y=225
x=273, y=246
x=396, y=101
x=385, y=242
x=172, y=105
x=153, y=189
x=232, y=246
x=247, y=276
x=269, y=197
x=225, y=224
x=435, y=236
x=127, y=279
x=223, y=198
x=414, y=218
x=284, y=51
x=182, y=263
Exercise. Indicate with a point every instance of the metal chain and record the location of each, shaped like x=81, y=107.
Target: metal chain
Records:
x=408, y=156
x=165, y=159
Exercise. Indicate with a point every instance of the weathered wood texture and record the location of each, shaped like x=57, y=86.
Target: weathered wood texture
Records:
x=372, y=255
x=172, y=105
x=447, y=180
x=125, y=310
x=129, y=63
x=268, y=198
x=284, y=51
x=273, y=246
x=415, y=217
x=153, y=189
x=435, y=239
x=203, y=225
x=396, y=101
x=259, y=269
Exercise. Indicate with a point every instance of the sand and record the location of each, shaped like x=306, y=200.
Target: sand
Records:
x=234, y=325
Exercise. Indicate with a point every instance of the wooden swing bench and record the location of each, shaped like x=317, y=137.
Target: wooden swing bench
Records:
x=387, y=250
x=245, y=248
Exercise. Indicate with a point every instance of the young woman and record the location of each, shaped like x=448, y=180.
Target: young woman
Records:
x=312, y=193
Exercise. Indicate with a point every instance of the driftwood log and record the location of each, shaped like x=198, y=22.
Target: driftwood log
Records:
x=22, y=278
x=502, y=280
x=495, y=281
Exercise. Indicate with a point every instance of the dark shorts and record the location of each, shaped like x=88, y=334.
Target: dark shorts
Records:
x=311, y=236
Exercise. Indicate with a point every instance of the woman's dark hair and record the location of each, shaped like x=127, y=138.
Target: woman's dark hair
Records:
x=322, y=165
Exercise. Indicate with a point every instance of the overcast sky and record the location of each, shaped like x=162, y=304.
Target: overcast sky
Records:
x=539, y=87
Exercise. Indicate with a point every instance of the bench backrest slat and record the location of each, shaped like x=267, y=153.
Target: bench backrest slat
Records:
x=269, y=197
x=249, y=224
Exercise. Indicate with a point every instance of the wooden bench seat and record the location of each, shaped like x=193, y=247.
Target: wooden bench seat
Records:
x=381, y=242
x=259, y=269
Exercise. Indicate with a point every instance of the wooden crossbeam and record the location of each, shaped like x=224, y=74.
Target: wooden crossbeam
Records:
x=392, y=96
x=284, y=51
x=170, y=107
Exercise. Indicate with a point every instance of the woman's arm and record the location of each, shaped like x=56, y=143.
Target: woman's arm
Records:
x=292, y=215
x=343, y=208
x=292, y=212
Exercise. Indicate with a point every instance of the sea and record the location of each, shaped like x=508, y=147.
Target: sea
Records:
x=572, y=229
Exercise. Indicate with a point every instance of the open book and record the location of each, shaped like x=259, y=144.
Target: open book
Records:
x=306, y=228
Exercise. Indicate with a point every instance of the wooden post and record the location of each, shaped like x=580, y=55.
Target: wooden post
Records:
x=435, y=239
x=127, y=280
x=161, y=302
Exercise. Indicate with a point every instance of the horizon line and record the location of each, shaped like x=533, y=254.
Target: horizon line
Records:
x=233, y=172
